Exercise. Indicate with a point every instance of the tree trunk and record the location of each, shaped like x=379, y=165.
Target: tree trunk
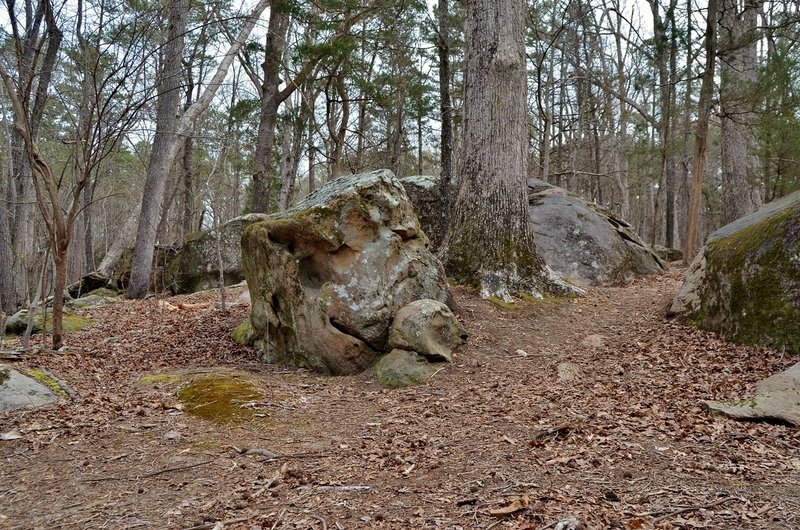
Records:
x=161, y=157
x=168, y=143
x=738, y=71
x=446, y=115
x=265, y=143
x=701, y=134
x=490, y=240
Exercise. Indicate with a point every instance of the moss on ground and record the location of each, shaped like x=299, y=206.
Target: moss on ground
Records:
x=220, y=397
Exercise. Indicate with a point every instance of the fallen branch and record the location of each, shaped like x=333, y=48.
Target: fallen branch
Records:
x=696, y=508
x=176, y=468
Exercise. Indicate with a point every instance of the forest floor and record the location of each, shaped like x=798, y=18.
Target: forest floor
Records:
x=499, y=439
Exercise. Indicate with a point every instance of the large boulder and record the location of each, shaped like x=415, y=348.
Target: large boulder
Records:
x=423, y=191
x=584, y=242
x=745, y=282
x=196, y=266
x=327, y=277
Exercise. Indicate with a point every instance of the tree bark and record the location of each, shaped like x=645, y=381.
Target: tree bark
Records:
x=701, y=134
x=265, y=143
x=446, y=116
x=161, y=156
x=738, y=72
x=490, y=240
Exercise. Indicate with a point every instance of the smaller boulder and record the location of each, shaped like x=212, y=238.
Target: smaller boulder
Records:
x=401, y=368
x=427, y=327
x=20, y=391
x=91, y=300
x=777, y=399
x=196, y=266
x=668, y=253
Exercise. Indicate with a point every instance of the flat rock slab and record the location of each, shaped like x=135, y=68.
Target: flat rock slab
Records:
x=777, y=399
x=20, y=391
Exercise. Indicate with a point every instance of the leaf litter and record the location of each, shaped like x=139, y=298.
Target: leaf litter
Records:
x=497, y=440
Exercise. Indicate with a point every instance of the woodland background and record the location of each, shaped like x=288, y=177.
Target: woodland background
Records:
x=323, y=88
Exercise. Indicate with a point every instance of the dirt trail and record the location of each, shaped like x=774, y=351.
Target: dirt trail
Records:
x=590, y=407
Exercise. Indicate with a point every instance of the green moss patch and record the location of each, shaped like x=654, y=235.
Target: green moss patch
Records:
x=220, y=397
x=244, y=333
x=47, y=380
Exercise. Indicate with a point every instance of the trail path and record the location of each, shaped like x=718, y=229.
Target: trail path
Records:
x=590, y=408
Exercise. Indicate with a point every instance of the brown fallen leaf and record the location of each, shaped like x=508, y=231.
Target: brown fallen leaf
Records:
x=516, y=505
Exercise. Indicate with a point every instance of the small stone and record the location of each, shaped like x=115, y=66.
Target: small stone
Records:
x=171, y=435
x=521, y=353
x=569, y=371
x=594, y=341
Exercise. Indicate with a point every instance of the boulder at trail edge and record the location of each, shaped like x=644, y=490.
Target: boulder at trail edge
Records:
x=745, y=282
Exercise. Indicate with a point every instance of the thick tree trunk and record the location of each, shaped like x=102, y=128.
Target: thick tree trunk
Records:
x=738, y=71
x=490, y=240
x=164, y=149
x=446, y=116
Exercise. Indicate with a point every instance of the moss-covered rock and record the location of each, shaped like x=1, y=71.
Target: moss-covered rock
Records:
x=745, y=283
x=196, y=266
x=400, y=368
x=16, y=324
x=91, y=300
x=244, y=333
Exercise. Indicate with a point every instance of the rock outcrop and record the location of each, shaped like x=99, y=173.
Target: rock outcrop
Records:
x=423, y=190
x=196, y=266
x=585, y=242
x=745, y=282
x=328, y=276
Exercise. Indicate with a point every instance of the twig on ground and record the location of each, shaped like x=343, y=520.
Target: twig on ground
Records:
x=696, y=508
x=176, y=468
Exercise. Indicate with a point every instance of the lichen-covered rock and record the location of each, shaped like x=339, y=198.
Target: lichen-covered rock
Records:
x=777, y=398
x=18, y=322
x=585, y=242
x=20, y=391
x=429, y=328
x=423, y=191
x=745, y=282
x=327, y=277
x=92, y=300
x=400, y=368
x=196, y=266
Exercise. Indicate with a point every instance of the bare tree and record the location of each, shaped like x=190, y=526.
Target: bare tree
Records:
x=701, y=133
x=167, y=144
